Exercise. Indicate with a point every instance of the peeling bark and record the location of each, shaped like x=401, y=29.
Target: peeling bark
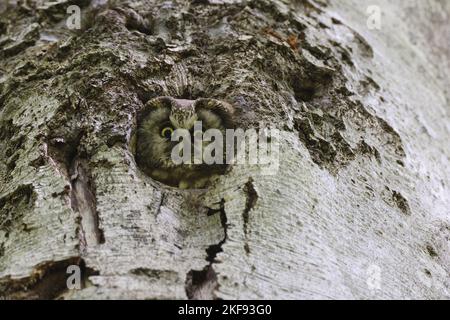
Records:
x=83, y=202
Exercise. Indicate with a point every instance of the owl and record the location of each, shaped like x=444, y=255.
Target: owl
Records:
x=156, y=124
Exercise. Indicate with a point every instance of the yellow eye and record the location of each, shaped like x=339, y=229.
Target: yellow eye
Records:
x=167, y=132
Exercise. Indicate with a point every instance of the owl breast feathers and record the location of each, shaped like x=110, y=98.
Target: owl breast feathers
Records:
x=157, y=122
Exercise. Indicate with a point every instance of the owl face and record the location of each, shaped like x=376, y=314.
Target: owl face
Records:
x=156, y=124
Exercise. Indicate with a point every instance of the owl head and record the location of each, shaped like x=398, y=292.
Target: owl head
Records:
x=157, y=123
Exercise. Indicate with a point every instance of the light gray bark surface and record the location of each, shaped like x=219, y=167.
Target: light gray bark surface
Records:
x=359, y=207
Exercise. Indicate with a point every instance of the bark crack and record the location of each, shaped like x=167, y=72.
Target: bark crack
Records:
x=83, y=202
x=214, y=249
x=47, y=281
x=250, y=202
x=201, y=285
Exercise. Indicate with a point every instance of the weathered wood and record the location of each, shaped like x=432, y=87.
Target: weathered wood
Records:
x=359, y=206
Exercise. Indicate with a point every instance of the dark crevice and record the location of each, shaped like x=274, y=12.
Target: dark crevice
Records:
x=83, y=202
x=251, y=198
x=47, y=281
x=304, y=92
x=247, y=248
x=214, y=249
x=401, y=202
x=431, y=251
x=250, y=202
x=201, y=285
x=161, y=203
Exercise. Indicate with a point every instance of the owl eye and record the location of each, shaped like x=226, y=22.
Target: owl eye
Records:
x=167, y=132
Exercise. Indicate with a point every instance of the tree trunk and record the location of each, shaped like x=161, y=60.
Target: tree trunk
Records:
x=357, y=209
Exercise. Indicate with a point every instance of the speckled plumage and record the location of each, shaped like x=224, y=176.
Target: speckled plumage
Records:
x=153, y=151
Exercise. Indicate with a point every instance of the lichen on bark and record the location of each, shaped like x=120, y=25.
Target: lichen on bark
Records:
x=362, y=181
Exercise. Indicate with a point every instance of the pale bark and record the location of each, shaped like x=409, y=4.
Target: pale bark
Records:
x=362, y=189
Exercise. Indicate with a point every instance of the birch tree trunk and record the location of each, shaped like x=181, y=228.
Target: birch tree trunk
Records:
x=359, y=207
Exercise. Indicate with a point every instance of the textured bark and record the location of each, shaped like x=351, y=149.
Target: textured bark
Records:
x=363, y=181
